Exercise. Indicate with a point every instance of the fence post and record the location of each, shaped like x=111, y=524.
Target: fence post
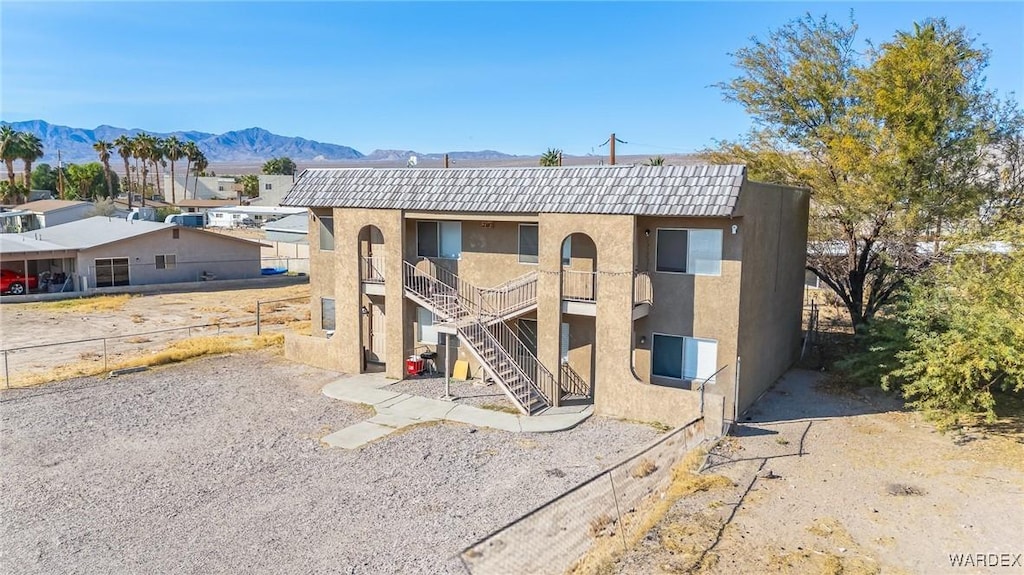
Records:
x=618, y=512
x=257, y=317
x=104, y=354
x=7, y=376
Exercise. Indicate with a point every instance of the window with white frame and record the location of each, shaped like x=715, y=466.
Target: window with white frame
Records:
x=528, y=243
x=697, y=252
x=426, y=331
x=439, y=239
x=166, y=261
x=679, y=357
x=326, y=233
x=327, y=314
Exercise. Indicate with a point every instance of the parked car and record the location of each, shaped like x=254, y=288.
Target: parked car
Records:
x=15, y=284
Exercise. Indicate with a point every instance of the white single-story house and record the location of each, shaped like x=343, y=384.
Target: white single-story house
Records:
x=106, y=252
x=42, y=214
x=293, y=229
x=248, y=216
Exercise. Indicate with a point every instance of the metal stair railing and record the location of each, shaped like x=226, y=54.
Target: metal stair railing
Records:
x=512, y=296
x=510, y=361
x=572, y=383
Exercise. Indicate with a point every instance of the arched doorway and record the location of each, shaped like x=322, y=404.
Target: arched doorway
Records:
x=578, y=325
x=372, y=308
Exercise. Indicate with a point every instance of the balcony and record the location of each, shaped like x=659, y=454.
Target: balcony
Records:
x=371, y=274
x=643, y=294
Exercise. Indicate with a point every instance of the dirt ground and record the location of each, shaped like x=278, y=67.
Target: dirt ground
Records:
x=833, y=481
x=122, y=318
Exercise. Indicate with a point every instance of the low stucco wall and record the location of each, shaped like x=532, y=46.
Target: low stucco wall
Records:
x=315, y=351
x=638, y=401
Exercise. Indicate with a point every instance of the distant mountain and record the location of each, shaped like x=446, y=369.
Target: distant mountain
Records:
x=393, y=155
x=253, y=144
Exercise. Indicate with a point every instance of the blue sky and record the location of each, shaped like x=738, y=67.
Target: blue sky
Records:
x=433, y=77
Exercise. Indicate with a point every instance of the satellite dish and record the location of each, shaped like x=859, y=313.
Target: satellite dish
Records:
x=412, y=162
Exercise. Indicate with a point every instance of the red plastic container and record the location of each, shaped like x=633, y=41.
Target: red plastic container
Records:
x=413, y=365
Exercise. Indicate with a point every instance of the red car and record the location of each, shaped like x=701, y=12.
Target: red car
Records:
x=14, y=283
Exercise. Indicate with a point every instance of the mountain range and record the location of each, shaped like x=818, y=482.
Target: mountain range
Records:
x=252, y=144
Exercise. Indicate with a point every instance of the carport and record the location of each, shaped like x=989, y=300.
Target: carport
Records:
x=34, y=258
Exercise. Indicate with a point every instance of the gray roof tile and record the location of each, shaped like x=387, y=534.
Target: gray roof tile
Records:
x=695, y=190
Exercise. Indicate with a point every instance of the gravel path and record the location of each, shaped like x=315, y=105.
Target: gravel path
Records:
x=215, y=466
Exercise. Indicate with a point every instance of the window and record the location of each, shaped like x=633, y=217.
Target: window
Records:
x=166, y=262
x=567, y=251
x=683, y=357
x=439, y=239
x=112, y=272
x=268, y=186
x=425, y=330
x=327, y=314
x=696, y=252
x=528, y=243
x=564, y=343
x=326, y=233
x=220, y=188
x=175, y=233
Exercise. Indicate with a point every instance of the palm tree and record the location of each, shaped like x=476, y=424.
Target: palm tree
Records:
x=124, y=149
x=655, y=161
x=201, y=165
x=10, y=141
x=142, y=145
x=192, y=153
x=174, y=151
x=552, y=157
x=156, y=156
x=103, y=148
x=31, y=149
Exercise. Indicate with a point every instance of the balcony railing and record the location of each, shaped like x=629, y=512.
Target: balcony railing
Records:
x=371, y=269
x=643, y=292
x=579, y=286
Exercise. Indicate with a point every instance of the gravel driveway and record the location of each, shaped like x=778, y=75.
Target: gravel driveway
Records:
x=215, y=466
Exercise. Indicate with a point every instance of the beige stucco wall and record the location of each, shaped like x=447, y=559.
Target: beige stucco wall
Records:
x=774, y=247
x=195, y=252
x=701, y=306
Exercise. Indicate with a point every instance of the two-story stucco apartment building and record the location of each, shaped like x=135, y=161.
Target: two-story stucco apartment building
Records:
x=628, y=286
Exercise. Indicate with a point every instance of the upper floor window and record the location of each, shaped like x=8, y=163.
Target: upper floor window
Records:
x=696, y=252
x=528, y=243
x=268, y=186
x=326, y=233
x=439, y=239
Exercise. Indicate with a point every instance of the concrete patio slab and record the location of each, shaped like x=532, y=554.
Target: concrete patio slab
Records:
x=484, y=418
x=357, y=393
x=553, y=422
x=358, y=435
x=419, y=408
x=393, y=420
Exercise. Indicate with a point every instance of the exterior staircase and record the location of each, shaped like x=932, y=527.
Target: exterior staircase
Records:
x=478, y=319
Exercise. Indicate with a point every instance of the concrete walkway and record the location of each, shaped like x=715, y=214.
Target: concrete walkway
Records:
x=397, y=410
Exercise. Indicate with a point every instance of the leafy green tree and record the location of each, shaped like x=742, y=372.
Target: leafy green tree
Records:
x=87, y=181
x=279, y=166
x=891, y=144
x=957, y=336
x=162, y=213
x=250, y=184
x=550, y=158
x=44, y=177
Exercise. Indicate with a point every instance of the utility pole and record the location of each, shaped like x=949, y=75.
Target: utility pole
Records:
x=60, y=176
x=446, y=161
x=611, y=149
x=559, y=158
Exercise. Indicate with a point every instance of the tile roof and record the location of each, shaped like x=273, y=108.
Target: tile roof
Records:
x=696, y=190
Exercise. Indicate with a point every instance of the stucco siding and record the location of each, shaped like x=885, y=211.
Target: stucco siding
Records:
x=774, y=247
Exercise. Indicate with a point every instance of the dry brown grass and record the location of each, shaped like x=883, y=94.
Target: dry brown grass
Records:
x=92, y=304
x=173, y=353
x=685, y=481
x=643, y=468
x=500, y=407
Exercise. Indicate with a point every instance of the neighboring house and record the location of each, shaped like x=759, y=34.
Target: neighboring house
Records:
x=292, y=229
x=628, y=286
x=207, y=188
x=247, y=216
x=107, y=252
x=191, y=206
x=273, y=189
x=44, y=213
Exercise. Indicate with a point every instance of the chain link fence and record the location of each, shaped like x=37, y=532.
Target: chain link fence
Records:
x=600, y=516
